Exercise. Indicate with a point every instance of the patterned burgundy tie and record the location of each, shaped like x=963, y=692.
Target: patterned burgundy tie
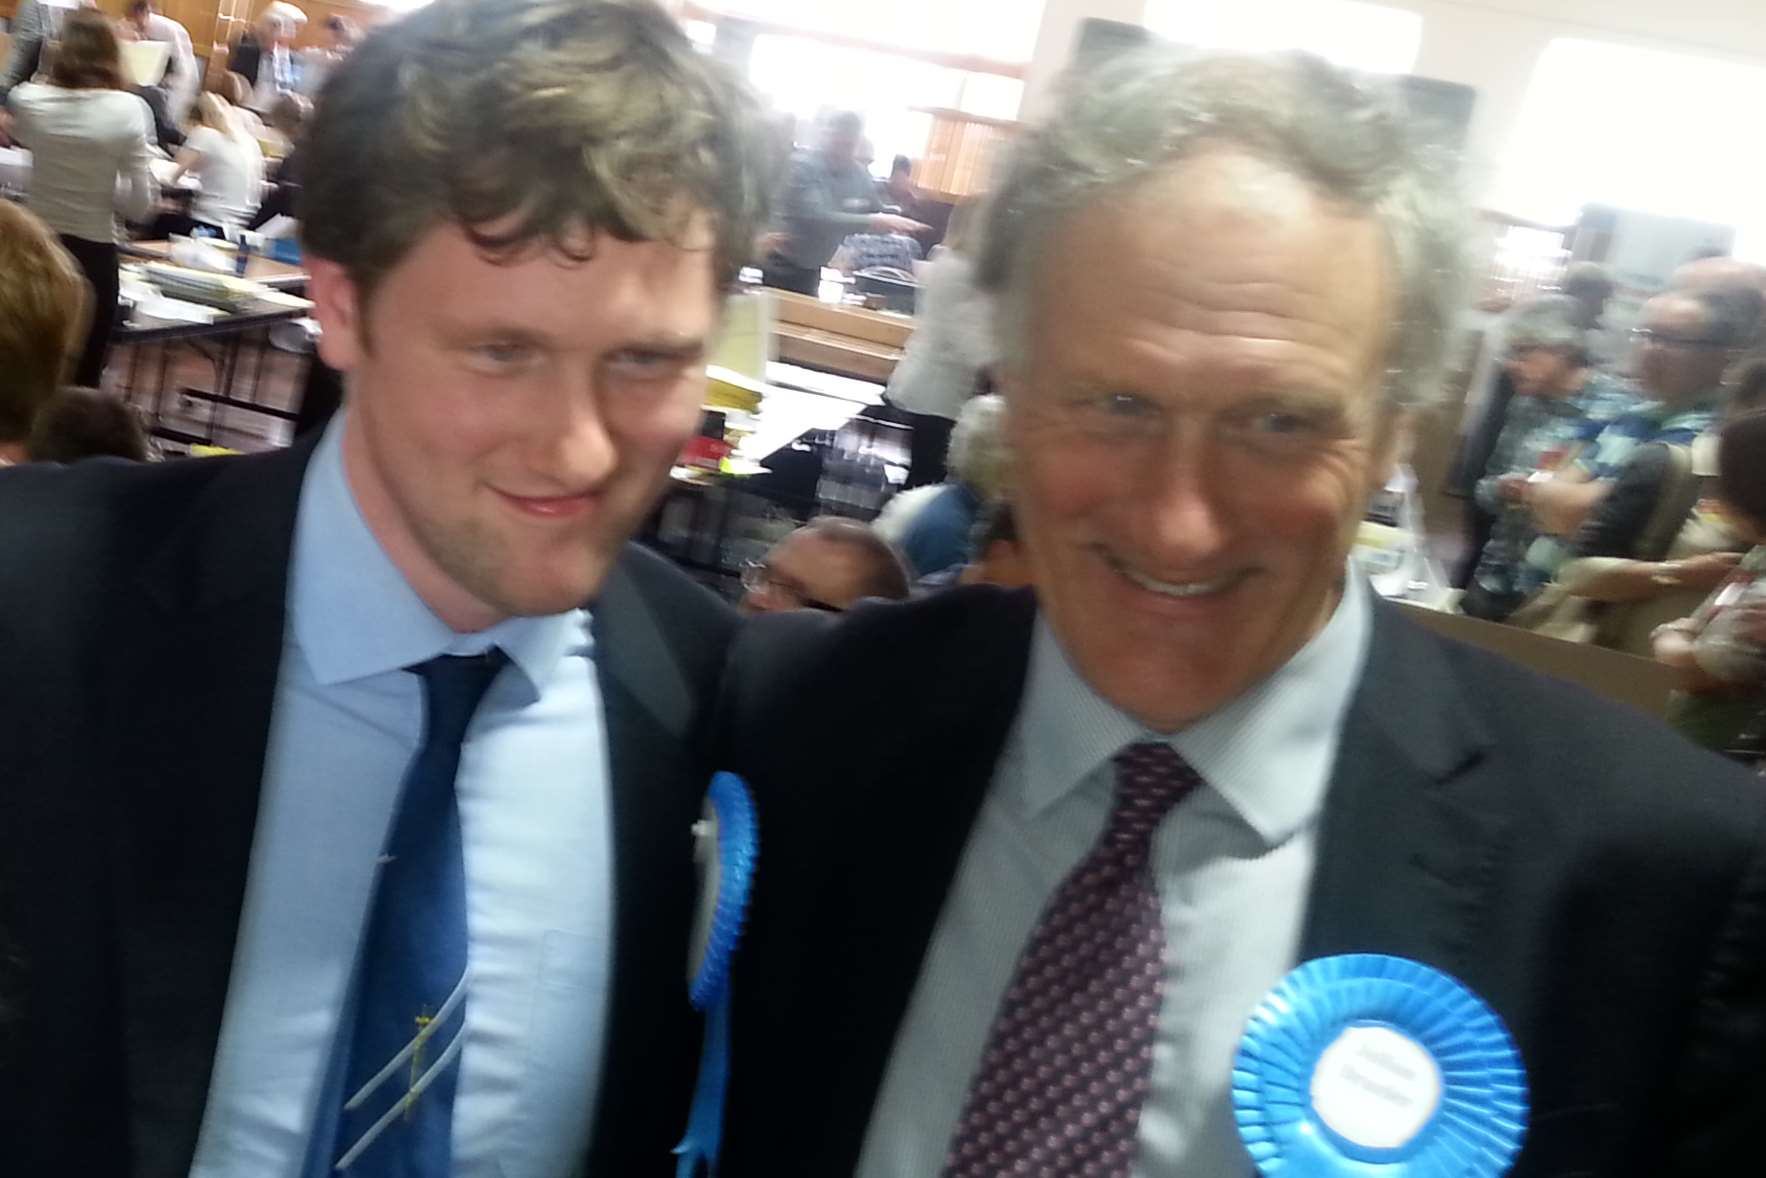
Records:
x=1060, y=1087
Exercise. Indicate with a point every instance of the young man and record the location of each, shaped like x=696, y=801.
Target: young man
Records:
x=349, y=788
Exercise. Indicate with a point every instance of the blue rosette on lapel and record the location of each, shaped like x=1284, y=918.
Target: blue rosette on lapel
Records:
x=726, y=846
x=1378, y=1067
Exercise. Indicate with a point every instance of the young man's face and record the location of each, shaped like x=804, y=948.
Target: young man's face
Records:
x=509, y=425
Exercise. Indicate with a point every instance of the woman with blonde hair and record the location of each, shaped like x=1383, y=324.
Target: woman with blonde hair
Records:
x=86, y=133
x=222, y=154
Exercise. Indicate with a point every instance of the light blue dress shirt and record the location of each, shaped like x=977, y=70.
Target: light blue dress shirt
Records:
x=1233, y=863
x=534, y=811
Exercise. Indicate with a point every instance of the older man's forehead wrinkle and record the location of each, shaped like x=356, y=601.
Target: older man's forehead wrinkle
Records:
x=1255, y=311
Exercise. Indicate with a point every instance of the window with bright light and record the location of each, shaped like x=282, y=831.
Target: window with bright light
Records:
x=809, y=77
x=1641, y=129
x=701, y=32
x=1372, y=37
x=1001, y=30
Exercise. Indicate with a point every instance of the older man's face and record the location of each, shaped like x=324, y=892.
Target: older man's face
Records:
x=1674, y=357
x=1197, y=429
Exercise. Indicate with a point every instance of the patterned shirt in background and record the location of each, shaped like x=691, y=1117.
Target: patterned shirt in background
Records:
x=1541, y=433
x=1728, y=645
x=893, y=251
x=1650, y=421
x=1603, y=456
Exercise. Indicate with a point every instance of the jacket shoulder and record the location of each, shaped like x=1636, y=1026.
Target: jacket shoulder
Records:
x=875, y=656
x=695, y=624
x=1569, y=757
x=61, y=523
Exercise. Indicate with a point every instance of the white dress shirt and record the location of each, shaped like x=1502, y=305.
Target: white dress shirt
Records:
x=277, y=75
x=89, y=157
x=535, y=821
x=1233, y=863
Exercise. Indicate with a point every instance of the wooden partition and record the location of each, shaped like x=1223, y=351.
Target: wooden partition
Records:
x=960, y=153
x=1624, y=678
x=217, y=23
x=850, y=341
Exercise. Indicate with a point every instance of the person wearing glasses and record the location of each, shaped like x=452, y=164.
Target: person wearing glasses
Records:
x=1683, y=343
x=828, y=564
x=1559, y=398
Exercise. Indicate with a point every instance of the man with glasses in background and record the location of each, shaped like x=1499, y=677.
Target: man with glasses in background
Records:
x=828, y=564
x=1683, y=342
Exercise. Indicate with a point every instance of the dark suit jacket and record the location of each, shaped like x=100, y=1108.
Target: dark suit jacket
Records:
x=246, y=56
x=141, y=626
x=1597, y=880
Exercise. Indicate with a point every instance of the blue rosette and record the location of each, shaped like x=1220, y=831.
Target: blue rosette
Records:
x=1378, y=1067
x=727, y=846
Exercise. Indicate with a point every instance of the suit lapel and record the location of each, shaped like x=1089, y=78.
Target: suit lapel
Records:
x=917, y=818
x=194, y=683
x=652, y=755
x=1407, y=855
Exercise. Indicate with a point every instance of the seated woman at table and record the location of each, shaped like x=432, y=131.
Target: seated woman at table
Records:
x=229, y=165
x=86, y=133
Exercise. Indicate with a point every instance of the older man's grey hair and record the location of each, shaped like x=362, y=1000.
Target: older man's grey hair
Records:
x=1550, y=321
x=1151, y=109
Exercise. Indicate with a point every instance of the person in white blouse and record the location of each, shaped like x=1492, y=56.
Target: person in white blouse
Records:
x=89, y=142
x=181, y=82
x=951, y=346
x=221, y=154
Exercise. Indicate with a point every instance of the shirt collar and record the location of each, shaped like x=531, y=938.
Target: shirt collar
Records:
x=1269, y=752
x=352, y=613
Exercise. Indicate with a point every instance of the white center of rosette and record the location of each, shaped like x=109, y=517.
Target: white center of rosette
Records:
x=1376, y=1087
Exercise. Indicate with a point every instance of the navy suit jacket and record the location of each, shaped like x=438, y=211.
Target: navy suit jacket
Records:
x=141, y=628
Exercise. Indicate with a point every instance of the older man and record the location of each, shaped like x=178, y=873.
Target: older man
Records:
x=264, y=55
x=1200, y=747
x=346, y=808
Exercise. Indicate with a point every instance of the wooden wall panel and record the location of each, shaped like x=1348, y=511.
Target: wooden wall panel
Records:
x=219, y=22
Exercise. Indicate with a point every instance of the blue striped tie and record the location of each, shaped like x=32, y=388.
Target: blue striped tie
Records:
x=403, y=1064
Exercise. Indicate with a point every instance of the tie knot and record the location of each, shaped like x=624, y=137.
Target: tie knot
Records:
x=453, y=685
x=1151, y=778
